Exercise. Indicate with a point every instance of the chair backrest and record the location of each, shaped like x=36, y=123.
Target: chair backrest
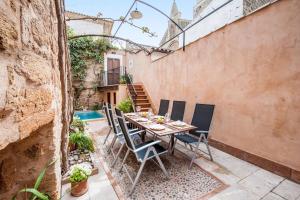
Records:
x=113, y=122
x=163, y=107
x=202, y=117
x=124, y=129
x=178, y=110
x=106, y=107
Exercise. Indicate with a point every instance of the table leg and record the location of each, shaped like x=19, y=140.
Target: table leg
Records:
x=143, y=136
x=172, y=144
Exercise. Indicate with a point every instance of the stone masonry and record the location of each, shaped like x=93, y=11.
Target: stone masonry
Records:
x=35, y=94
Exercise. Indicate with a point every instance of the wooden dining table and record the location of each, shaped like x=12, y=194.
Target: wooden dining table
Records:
x=146, y=123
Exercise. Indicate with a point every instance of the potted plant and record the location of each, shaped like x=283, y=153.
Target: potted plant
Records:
x=80, y=140
x=79, y=175
x=77, y=124
x=125, y=106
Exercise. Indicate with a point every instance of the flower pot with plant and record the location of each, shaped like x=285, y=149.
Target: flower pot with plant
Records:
x=77, y=124
x=79, y=175
x=81, y=141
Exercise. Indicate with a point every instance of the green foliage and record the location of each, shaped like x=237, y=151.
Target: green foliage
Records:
x=125, y=106
x=35, y=193
x=83, y=49
x=80, y=173
x=78, y=124
x=125, y=78
x=97, y=106
x=82, y=141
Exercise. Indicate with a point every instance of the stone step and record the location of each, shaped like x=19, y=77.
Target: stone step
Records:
x=143, y=105
x=142, y=101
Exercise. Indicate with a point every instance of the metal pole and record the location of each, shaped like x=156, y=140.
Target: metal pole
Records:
x=124, y=18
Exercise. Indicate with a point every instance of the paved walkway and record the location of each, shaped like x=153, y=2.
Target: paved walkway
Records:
x=245, y=181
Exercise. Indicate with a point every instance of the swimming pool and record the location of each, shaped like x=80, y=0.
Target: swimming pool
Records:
x=88, y=115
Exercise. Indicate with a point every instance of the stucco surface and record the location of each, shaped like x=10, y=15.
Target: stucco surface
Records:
x=250, y=70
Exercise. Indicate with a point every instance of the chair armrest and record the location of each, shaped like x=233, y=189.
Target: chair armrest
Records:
x=132, y=130
x=199, y=131
x=137, y=132
x=147, y=145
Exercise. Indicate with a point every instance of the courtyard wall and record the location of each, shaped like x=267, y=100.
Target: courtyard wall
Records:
x=250, y=70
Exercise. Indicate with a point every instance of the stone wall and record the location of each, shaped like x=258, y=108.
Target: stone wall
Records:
x=88, y=89
x=35, y=95
x=250, y=70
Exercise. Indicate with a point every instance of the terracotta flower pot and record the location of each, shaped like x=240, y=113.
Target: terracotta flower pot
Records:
x=80, y=188
x=72, y=147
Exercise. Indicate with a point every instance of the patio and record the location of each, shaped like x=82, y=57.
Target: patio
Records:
x=202, y=104
x=238, y=179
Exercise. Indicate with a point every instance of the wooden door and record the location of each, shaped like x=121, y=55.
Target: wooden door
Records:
x=113, y=71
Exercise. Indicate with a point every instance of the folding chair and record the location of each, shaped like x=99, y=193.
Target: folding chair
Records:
x=118, y=136
x=163, y=107
x=107, y=106
x=202, y=118
x=143, y=152
x=178, y=110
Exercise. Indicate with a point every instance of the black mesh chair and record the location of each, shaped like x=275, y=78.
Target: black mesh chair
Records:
x=119, y=136
x=107, y=106
x=163, y=107
x=178, y=110
x=202, y=118
x=143, y=152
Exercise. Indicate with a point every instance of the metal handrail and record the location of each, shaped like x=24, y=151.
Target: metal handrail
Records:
x=130, y=86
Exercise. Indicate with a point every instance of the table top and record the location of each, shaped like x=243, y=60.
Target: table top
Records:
x=169, y=127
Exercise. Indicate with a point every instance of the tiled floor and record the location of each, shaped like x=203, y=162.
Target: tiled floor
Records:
x=246, y=181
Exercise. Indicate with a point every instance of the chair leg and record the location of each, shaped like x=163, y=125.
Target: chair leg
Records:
x=208, y=149
x=174, y=145
x=195, y=154
x=139, y=172
x=115, y=160
x=112, y=144
x=107, y=135
x=162, y=166
x=123, y=162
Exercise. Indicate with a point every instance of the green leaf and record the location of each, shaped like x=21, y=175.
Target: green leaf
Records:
x=42, y=174
x=34, y=192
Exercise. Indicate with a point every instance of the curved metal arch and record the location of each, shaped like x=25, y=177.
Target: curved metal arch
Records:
x=109, y=36
x=161, y=12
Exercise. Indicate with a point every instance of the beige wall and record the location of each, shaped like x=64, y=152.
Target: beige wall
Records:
x=251, y=71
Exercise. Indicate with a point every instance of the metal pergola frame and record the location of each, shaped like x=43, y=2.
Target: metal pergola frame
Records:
x=182, y=31
x=115, y=37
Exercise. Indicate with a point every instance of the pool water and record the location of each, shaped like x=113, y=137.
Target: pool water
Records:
x=88, y=115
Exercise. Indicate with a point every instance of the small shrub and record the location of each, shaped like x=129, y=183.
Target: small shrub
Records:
x=125, y=106
x=80, y=172
x=78, y=124
x=82, y=141
x=97, y=107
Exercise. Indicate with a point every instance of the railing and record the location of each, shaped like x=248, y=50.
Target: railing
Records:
x=131, y=88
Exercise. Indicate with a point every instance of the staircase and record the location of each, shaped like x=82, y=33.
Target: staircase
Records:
x=140, y=97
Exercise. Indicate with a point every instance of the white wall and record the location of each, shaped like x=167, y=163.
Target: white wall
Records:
x=85, y=27
x=226, y=15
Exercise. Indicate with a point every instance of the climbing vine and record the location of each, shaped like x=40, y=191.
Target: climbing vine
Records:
x=82, y=50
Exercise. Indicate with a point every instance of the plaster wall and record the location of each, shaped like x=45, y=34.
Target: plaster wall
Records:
x=250, y=70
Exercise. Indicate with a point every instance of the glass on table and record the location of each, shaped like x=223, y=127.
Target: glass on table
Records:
x=167, y=117
x=150, y=113
x=138, y=109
